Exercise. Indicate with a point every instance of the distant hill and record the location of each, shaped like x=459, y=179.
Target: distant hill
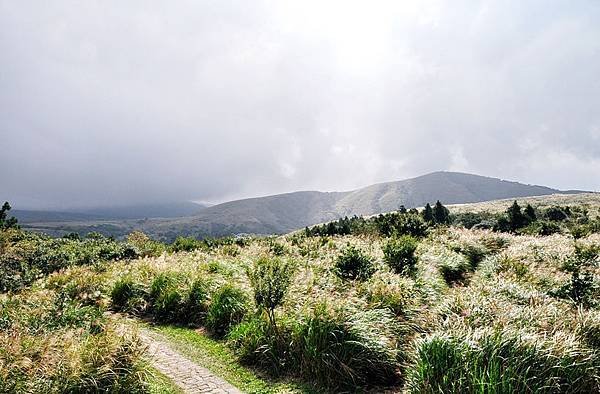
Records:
x=283, y=213
x=140, y=211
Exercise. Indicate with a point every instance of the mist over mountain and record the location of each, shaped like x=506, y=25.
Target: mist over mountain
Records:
x=283, y=213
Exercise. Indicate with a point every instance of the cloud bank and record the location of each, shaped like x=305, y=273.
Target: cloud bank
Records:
x=108, y=102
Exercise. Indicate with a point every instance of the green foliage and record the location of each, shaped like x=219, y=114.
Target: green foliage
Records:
x=144, y=245
x=399, y=254
x=352, y=263
x=427, y=214
x=167, y=297
x=401, y=224
x=270, y=279
x=345, y=349
x=557, y=214
x=185, y=244
x=5, y=221
x=583, y=288
x=499, y=363
x=28, y=256
x=255, y=344
x=405, y=222
x=228, y=307
x=197, y=302
x=472, y=219
x=392, y=292
x=441, y=214
x=128, y=296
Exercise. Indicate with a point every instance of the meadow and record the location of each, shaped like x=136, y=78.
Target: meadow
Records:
x=477, y=300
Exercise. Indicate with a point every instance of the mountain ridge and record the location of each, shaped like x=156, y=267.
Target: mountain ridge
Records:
x=282, y=213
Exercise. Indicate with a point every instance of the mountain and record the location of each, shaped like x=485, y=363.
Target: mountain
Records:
x=283, y=213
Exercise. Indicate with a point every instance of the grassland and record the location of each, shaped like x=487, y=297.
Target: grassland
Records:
x=468, y=310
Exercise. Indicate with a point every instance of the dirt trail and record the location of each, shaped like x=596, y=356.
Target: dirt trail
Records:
x=186, y=374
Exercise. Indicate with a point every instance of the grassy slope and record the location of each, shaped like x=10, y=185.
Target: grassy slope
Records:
x=509, y=291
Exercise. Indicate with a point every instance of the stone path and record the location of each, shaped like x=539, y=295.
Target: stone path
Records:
x=186, y=374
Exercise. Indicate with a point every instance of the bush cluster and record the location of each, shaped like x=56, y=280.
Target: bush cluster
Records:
x=399, y=254
x=353, y=263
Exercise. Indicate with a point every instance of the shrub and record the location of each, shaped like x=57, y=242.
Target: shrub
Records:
x=500, y=362
x=167, y=297
x=392, y=292
x=197, y=302
x=401, y=224
x=270, y=279
x=345, y=349
x=144, y=245
x=556, y=214
x=128, y=296
x=352, y=263
x=583, y=287
x=254, y=343
x=399, y=254
x=228, y=307
x=185, y=244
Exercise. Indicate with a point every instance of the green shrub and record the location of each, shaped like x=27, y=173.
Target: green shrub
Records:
x=343, y=350
x=270, y=279
x=401, y=224
x=167, y=298
x=583, y=288
x=228, y=307
x=197, y=302
x=556, y=214
x=393, y=292
x=399, y=254
x=144, y=245
x=185, y=244
x=500, y=363
x=352, y=263
x=128, y=296
x=254, y=343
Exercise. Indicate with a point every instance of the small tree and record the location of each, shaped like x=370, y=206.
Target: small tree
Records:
x=441, y=214
x=399, y=253
x=270, y=279
x=530, y=213
x=352, y=263
x=5, y=221
x=402, y=209
x=428, y=214
x=516, y=219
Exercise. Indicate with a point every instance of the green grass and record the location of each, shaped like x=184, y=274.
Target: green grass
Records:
x=220, y=360
x=160, y=384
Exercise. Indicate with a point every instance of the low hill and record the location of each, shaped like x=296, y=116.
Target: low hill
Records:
x=283, y=213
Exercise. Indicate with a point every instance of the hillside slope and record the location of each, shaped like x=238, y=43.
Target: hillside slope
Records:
x=283, y=213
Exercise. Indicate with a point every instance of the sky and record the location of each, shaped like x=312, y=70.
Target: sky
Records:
x=112, y=102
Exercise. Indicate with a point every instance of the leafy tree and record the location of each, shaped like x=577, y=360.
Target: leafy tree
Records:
x=441, y=214
x=556, y=214
x=5, y=221
x=353, y=263
x=516, y=219
x=530, y=213
x=428, y=214
x=270, y=279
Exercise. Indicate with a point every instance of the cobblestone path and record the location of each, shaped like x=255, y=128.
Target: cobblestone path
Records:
x=186, y=374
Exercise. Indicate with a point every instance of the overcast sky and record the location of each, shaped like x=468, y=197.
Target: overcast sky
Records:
x=106, y=102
